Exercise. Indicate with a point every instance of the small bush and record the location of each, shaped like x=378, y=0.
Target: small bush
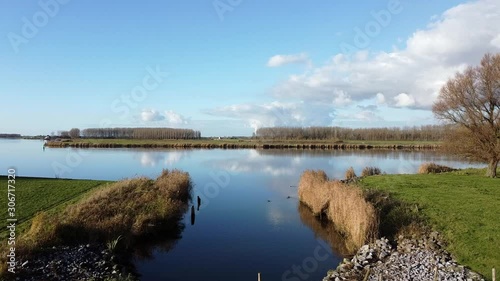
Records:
x=433, y=168
x=370, y=171
x=350, y=174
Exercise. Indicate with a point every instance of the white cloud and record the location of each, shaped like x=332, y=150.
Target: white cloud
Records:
x=278, y=114
x=404, y=100
x=411, y=76
x=175, y=118
x=280, y=60
x=150, y=115
x=380, y=98
x=171, y=117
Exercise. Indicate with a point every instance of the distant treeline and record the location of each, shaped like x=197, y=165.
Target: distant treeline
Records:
x=140, y=133
x=422, y=133
x=10, y=136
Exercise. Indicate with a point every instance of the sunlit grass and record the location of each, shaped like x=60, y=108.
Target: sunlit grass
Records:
x=40, y=194
x=462, y=205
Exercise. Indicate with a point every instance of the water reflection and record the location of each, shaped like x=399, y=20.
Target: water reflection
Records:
x=193, y=215
x=325, y=230
x=282, y=163
x=162, y=240
x=153, y=158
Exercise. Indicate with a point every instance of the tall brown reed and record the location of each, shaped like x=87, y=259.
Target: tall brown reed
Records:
x=345, y=205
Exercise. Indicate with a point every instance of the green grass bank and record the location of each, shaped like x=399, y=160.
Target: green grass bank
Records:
x=462, y=205
x=35, y=195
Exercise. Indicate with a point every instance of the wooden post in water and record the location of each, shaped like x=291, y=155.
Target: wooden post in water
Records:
x=258, y=276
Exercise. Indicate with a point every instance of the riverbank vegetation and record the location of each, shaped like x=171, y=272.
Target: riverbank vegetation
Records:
x=462, y=205
x=241, y=143
x=139, y=133
x=130, y=209
x=433, y=133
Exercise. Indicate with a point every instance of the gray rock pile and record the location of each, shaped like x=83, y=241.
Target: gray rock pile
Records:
x=83, y=262
x=412, y=259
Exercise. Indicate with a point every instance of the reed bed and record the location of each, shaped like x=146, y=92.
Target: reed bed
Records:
x=345, y=205
x=131, y=208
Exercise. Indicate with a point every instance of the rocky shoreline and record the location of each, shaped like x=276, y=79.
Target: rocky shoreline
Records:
x=412, y=259
x=82, y=262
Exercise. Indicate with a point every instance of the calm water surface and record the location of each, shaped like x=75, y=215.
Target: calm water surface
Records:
x=249, y=221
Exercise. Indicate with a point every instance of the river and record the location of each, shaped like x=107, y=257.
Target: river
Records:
x=250, y=219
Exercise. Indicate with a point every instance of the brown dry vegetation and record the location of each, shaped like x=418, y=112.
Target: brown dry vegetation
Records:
x=350, y=174
x=131, y=208
x=345, y=206
x=433, y=168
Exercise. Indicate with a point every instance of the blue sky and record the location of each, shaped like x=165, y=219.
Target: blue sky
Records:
x=227, y=67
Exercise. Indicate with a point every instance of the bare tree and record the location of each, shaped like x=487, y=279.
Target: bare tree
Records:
x=74, y=133
x=64, y=134
x=471, y=101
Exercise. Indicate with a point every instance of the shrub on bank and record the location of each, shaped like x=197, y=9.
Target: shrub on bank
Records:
x=433, y=168
x=370, y=171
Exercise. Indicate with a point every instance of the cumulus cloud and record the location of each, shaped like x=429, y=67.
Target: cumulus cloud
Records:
x=169, y=116
x=278, y=114
x=380, y=98
x=280, y=60
x=150, y=115
x=409, y=77
x=175, y=118
x=404, y=100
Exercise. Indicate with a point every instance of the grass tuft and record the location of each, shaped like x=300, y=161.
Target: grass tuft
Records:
x=370, y=171
x=350, y=174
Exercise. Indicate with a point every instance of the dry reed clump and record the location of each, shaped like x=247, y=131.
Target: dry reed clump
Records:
x=352, y=214
x=370, y=171
x=350, y=174
x=433, y=168
x=344, y=205
x=313, y=192
x=129, y=208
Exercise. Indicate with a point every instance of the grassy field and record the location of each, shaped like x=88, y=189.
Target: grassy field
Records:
x=463, y=205
x=40, y=194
